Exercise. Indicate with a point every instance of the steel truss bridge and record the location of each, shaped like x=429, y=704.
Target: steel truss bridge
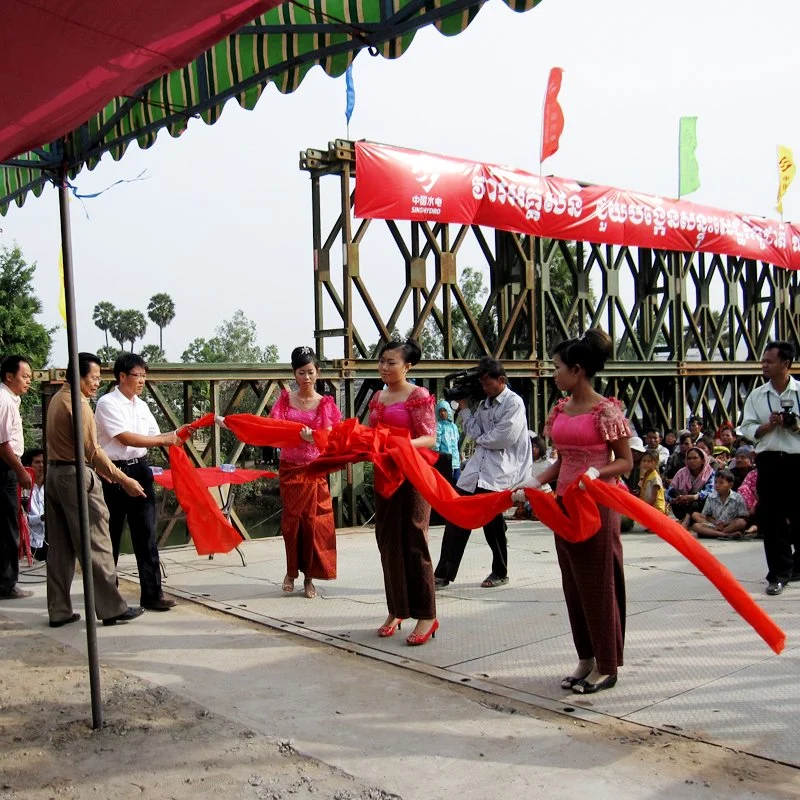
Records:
x=688, y=328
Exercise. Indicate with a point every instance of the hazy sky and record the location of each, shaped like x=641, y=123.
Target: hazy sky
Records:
x=223, y=221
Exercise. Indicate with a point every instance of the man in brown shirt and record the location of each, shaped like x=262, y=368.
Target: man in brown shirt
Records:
x=61, y=506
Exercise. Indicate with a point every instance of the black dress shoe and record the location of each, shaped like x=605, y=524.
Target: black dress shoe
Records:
x=61, y=622
x=776, y=587
x=129, y=614
x=584, y=687
x=162, y=604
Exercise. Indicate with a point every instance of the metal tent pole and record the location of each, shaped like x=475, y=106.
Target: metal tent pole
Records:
x=77, y=431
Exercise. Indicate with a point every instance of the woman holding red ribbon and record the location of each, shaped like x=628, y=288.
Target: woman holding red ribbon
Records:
x=591, y=434
x=307, y=524
x=401, y=520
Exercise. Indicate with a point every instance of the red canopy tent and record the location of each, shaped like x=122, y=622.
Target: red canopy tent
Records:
x=88, y=51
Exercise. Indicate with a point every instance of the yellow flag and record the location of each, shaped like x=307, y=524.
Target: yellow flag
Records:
x=62, y=296
x=786, y=170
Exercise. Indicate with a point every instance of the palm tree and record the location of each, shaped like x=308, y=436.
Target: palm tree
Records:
x=161, y=310
x=128, y=325
x=103, y=316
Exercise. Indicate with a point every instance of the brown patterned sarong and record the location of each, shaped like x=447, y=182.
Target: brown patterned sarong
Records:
x=307, y=525
x=401, y=530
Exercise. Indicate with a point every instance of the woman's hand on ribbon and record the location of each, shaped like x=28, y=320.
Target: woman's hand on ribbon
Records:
x=592, y=474
x=518, y=495
x=307, y=435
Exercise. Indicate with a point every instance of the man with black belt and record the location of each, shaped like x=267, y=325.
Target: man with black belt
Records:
x=125, y=429
x=15, y=380
x=63, y=513
x=770, y=419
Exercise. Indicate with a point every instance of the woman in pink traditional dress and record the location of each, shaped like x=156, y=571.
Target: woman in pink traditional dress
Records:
x=401, y=521
x=591, y=434
x=307, y=523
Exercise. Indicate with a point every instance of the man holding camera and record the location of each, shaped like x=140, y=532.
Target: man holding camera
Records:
x=770, y=419
x=502, y=458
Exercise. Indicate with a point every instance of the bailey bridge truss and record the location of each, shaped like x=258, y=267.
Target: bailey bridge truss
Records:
x=688, y=328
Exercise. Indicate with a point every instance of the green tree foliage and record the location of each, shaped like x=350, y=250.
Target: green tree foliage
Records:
x=235, y=341
x=474, y=292
x=128, y=325
x=108, y=354
x=21, y=333
x=103, y=317
x=153, y=354
x=161, y=310
x=19, y=305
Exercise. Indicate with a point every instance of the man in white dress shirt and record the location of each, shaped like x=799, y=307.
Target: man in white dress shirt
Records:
x=770, y=419
x=126, y=428
x=502, y=459
x=15, y=381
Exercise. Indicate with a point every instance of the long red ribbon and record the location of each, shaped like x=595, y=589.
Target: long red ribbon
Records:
x=396, y=460
x=577, y=527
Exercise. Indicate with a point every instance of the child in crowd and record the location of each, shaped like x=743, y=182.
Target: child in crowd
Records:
x=720, y=457
x=447, y=436
x=671, y=440
x=651, y=488
x=724, y=514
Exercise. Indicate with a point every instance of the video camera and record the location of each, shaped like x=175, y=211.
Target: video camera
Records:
x=465, y=384
x=787, y=414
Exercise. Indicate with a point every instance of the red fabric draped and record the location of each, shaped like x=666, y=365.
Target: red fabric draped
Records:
x=24, y=526
x=576, y=527
x=211, y=477
x=210, y=531
x=396, y=460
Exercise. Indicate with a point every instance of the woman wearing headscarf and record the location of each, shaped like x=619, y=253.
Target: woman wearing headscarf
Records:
x=691, y=484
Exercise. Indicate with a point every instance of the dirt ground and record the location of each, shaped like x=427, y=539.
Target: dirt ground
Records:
x=157, y=744
x=154, y=744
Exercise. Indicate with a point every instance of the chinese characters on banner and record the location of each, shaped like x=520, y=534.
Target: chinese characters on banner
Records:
x=395, y=183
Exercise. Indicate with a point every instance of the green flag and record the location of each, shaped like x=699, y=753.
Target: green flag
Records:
x=687, y=160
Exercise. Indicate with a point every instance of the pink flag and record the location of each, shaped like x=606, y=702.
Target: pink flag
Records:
x=553, y=117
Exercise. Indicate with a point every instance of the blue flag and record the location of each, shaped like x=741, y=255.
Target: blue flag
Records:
x=351, y=93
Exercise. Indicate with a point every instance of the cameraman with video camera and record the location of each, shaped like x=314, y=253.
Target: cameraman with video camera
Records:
x=770, y=419
x=502, y=458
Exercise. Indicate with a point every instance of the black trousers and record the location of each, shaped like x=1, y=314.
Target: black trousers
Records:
x=141, y=515
x=455, y=541
x=9, y=529
x=778, y=513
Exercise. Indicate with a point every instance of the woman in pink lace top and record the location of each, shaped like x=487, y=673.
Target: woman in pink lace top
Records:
x=307, y=525
x=401, y=521
x=591, y=434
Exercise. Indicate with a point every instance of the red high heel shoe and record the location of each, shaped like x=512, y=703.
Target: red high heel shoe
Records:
x=421, y=638
x=388, y=630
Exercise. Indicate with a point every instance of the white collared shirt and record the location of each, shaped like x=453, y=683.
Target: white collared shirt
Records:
x=115, y=414
x=502, y=457
x=760, y=403
x=10, y=420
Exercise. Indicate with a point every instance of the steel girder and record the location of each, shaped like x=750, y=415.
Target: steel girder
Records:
x=688, y=328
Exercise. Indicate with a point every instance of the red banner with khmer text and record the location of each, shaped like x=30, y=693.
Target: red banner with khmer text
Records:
x=395, y=183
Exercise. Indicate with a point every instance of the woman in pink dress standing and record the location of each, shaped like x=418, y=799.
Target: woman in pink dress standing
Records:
x=401, y=521
x=591, y=434
x=307, y=522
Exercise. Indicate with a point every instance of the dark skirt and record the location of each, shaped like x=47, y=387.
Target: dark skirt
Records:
x=593, y=579
x=401, y=530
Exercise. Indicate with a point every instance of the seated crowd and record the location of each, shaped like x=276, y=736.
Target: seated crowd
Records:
x=707, y=482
